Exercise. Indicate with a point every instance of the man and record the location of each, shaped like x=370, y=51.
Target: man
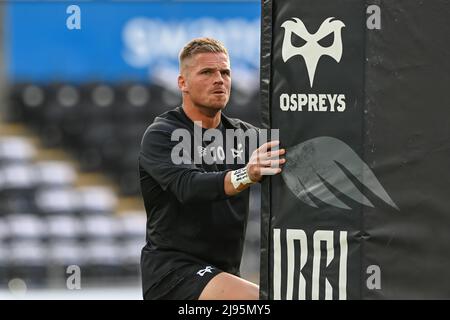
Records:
x=197, y=212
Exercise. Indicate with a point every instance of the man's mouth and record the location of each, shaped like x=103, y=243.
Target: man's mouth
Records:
x=219, y=92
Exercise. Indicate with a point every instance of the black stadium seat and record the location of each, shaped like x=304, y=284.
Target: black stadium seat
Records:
x=28, y=261
x=17, y=187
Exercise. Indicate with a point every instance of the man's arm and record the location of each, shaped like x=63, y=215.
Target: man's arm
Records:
x=192, y=184
x=185, y=180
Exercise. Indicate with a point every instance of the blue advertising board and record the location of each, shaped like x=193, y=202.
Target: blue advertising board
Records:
x=122, y=40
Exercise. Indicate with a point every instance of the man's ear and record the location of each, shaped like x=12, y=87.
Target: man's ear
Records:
x=182, y=84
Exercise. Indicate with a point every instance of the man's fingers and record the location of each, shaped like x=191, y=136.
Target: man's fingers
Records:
x=268, y=145
x=270, y=171
x=272, y=163
x=271, y=154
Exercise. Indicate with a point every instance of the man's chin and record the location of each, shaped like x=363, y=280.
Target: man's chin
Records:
x=216, y=106
x=213, y=106
x=220, y=107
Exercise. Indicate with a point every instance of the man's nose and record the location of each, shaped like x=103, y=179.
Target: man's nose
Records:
x=218, y=77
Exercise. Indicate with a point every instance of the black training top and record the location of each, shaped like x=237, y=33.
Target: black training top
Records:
x=187, y=209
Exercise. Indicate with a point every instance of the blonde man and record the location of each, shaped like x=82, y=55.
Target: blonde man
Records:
x=197, y=212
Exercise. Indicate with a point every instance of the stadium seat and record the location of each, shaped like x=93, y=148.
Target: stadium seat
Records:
x=15, y=149
x=55, y=174
x=28, y=262
x=96, y=200
x=103, y=261
x=17, y=187
x=56, y=200
x=64, y=228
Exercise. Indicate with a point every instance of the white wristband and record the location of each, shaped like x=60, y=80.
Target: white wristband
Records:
x=240, y=177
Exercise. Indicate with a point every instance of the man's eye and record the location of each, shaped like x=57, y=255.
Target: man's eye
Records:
x=206, y=72
x=226, y=73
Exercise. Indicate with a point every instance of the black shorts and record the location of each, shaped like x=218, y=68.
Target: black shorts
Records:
x=172, y=275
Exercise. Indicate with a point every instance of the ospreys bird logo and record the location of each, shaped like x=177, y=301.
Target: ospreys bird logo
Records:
x=316, y=165
x=312, y=51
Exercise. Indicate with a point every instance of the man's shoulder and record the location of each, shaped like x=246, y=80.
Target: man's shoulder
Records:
x=163, y=126
x=167, y=121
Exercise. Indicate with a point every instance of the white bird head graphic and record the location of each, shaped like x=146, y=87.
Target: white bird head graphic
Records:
x=312, y=50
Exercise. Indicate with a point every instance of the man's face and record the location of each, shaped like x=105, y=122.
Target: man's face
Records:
x=205, y=80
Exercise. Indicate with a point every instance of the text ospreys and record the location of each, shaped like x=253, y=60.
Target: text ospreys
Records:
x=312, y=102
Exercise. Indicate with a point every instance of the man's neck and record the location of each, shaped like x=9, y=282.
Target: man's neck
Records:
x=208, y=117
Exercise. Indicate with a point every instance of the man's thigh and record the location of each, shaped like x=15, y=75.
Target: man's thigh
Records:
x=225, y=286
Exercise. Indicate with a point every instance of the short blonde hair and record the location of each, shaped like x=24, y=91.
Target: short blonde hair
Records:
x=201, y=45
